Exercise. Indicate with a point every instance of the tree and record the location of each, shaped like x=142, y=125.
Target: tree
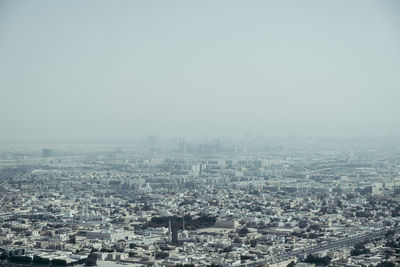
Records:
x=244, y=231
x=227, y=249
x=4, y=256
x=58, y=262
x=72, y=240
x=161, y=255
x=40, y=260
x=91, y=260
x=318, y=260
x=313, y=227
x=291, y=264
x=237, y=240
x=106, y=250
x=359, y=249
x=359, y=245
x=253, y=243
x=386, y=264
x=20, y=259
x=245, y=257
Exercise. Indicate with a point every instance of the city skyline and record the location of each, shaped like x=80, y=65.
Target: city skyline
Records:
x=200, y=133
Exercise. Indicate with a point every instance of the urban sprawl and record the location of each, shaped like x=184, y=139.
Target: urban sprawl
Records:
x=304, y=202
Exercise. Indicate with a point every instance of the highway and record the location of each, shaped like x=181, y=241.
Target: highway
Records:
x=340, y=243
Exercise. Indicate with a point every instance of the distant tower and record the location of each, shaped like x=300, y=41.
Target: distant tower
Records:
x=175, y=236
x=172, y=234
x=47, y=152
x=169, y=231
x=183, y=223
x=152, y=140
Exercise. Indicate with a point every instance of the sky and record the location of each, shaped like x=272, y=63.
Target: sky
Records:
x=99, y=70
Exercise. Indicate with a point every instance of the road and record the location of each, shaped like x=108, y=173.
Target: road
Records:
x=337, y=244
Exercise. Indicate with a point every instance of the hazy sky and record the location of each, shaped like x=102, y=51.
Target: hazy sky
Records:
x=81, y=70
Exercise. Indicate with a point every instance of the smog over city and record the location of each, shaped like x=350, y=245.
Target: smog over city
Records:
x=200, y=133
